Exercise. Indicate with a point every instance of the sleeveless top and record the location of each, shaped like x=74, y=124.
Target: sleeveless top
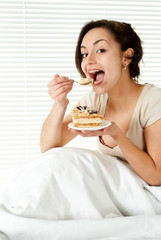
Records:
x=146, y=112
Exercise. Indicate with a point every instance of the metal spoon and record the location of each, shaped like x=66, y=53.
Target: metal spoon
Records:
x=85, y=81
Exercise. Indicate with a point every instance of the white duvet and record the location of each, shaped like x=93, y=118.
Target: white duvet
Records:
x=73, y=183
x=77, y=184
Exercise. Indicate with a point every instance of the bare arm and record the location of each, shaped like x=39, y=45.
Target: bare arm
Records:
x=55, y=128
x=146, y=164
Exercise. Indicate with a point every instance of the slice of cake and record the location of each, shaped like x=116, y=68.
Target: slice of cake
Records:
x=85, y=117
x=85, y=81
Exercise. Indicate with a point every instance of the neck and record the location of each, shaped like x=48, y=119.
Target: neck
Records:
x=120, y=96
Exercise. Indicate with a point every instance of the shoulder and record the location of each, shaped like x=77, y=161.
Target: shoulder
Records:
x=151, y=96
x=152, y=90
x=150, y=104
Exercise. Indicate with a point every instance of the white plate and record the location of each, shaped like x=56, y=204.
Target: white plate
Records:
x=104, y=124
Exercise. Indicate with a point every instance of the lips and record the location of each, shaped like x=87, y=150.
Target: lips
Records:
x=97, y=76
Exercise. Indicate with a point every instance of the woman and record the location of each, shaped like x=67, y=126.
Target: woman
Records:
x=74, y=183
x=109, y=52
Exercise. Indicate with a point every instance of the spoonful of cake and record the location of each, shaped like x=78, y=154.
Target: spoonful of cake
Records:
x=85, y=81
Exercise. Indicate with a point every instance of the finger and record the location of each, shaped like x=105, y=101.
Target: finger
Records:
x=92, y=133
x=57, y=79
x=53, y=86
x=60, y=93
x=56, y=85
x=60, y=79
x=63, y=85
x=77, y=132
x=56, y=75
x=63, y=89
x=53, y=80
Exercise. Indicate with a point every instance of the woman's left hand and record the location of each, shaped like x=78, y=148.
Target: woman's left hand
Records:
x=113, y=130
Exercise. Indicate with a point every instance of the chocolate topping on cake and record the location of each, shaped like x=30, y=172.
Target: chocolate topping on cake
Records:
x=88, y=109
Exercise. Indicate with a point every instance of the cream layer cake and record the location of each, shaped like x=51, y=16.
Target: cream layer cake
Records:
x=86, y=117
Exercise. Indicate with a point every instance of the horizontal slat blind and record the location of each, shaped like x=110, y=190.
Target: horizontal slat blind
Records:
x=37, y=40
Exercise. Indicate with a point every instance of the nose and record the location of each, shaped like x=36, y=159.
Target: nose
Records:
x=88, y=62
x=90, y=59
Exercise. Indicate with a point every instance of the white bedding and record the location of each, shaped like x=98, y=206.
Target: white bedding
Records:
x=72, y=193
x=122, y=228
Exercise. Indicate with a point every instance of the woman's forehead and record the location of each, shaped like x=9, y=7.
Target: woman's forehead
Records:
x=97, y=35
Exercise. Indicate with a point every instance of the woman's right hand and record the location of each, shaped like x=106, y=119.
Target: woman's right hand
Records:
x=59, y=87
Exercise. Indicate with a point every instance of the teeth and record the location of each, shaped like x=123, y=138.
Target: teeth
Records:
x=94, y=71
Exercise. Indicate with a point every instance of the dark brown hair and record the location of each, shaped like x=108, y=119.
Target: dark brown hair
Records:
x=123, y=33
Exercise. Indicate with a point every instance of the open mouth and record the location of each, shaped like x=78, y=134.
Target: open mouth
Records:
x=97, y=76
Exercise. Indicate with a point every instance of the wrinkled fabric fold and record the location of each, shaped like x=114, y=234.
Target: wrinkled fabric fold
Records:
x=73, y=183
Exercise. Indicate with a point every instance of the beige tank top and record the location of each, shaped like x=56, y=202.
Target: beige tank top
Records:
x=147, y=111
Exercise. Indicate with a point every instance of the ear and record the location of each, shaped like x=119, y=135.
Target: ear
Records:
x=127, y=56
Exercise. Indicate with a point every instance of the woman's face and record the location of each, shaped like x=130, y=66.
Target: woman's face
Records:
x=101, y=59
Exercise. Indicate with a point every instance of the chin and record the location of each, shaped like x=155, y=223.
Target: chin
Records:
x=99, y=91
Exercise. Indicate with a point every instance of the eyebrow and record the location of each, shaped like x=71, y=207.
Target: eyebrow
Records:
x=97, y=42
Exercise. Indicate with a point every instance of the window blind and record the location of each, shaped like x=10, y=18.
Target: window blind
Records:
x=37, y=40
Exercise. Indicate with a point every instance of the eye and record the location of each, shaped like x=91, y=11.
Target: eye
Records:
x=101, y=50
x=84, y=55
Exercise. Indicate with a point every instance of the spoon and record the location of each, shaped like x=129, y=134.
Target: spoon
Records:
x=85, y=81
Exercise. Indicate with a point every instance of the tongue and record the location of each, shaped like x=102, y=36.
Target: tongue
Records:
x=100, y=76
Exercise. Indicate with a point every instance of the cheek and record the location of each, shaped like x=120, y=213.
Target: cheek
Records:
x=113, y=72
x=114, y=66
x=82, y=66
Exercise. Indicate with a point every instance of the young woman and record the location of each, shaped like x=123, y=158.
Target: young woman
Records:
x=75, y=183
x=110, y=52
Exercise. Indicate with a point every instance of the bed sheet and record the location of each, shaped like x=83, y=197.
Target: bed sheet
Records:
x=79, y=194
x=118, y=228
